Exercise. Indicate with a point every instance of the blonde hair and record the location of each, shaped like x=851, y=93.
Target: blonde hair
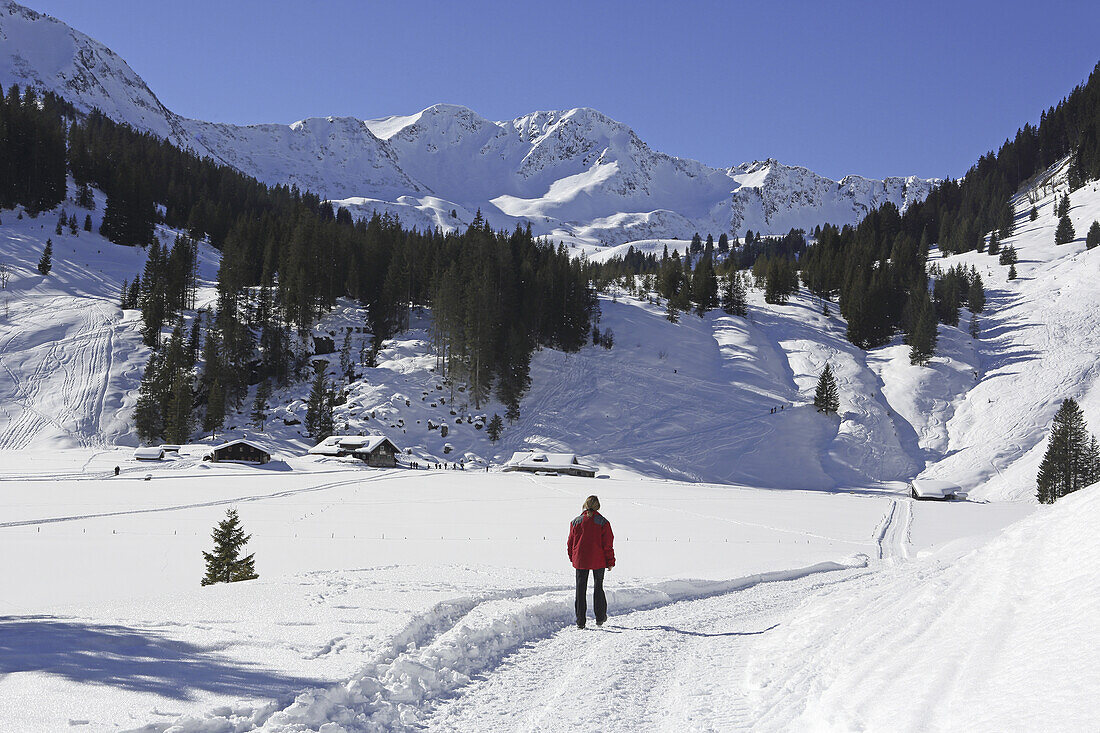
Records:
x=592, y=504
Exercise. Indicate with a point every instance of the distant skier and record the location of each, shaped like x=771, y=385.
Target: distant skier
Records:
x=591, y=547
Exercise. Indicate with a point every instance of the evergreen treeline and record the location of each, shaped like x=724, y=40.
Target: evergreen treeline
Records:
x=286, y=258
x=877, y=268
x=32, y=149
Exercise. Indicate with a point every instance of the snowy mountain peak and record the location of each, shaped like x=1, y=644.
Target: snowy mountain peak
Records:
x=42, y=52
x=576, y=175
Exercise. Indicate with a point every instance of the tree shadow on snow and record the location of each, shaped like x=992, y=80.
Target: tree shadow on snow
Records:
x=143, y=661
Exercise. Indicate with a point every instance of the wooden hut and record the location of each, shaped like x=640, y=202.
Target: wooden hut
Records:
x=243, y=451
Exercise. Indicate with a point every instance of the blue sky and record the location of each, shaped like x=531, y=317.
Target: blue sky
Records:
x=876, y=89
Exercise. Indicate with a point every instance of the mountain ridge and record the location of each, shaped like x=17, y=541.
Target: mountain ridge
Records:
x=576, y=175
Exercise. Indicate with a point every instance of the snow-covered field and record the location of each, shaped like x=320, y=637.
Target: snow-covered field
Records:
x=104, y=619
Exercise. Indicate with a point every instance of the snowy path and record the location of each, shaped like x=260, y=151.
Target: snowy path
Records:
x=677, y=667
x=470, y=656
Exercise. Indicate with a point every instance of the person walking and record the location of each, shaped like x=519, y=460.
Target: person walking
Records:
x=591, y=547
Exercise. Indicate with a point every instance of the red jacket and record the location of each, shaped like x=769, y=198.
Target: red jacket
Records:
x=590, y=545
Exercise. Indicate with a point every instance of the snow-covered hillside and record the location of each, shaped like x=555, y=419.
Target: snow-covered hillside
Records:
x=1001, y=639
x=1039, y=345
x=576, y=175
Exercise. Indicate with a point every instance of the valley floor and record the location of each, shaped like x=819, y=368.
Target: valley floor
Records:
x=437, y=599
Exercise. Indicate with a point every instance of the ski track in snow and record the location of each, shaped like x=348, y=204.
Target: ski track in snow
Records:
x=392, y=474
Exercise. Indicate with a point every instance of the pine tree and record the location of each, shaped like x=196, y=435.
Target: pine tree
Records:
x=84, y=198
x=976, y=295
x=215, y=409
x=225, y=564
x=1071, y=461
x=1009, y=256
x=148, y=418
x=974, y=328
x=1012, y=272
x=671, y=314
x=705, y=286
x=1064, y=234
x=494, y=428
x=259, y=405
x=733, y=296
x=827, y=397
x=178, y=422
x=61, y=222
x=994, y=243
x=1034, y=213
x=1093, y=237
x=925, y=333
x=319, y=408
x=1063, y=207
x=45, y=264
x=87, y=222
x=134, y=293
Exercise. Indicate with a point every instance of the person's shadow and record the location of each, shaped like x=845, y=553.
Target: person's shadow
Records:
x=130, y=659
x=673, y=629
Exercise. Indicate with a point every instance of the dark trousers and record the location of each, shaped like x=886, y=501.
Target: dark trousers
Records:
x=599, y=600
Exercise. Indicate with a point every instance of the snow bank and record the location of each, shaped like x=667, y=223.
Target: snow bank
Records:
x=1003, y=639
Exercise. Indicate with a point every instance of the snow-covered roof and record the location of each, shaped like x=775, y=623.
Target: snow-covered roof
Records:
x=372, y=442
x=149, y=453
x=252, y=443
x=334, y=445
x=540, y=460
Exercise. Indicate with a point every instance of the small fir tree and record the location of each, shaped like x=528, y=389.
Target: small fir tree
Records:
x=45, y=264
x=1064, y=234
x=259, y=405
x=494, y=428
x=319, y=408
x=1063, y=207
x=975, y=328
x=1034, y=213
x=976, y=295
x=733, y=296
x=827, y=397
x=1071, y=461
x=1009, y=256
x=671, y=315
x=1012, y=272
x=225, y=564
x=87, y=222
x=1093, y=237
x=84, y=197
x=994, y=243
x=922, y=340
x=177, y=419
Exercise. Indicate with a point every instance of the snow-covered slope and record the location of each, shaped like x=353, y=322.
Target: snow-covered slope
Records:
x=70, y=358
x=1002, y=639
x=1041, y=337
x=576, y=175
